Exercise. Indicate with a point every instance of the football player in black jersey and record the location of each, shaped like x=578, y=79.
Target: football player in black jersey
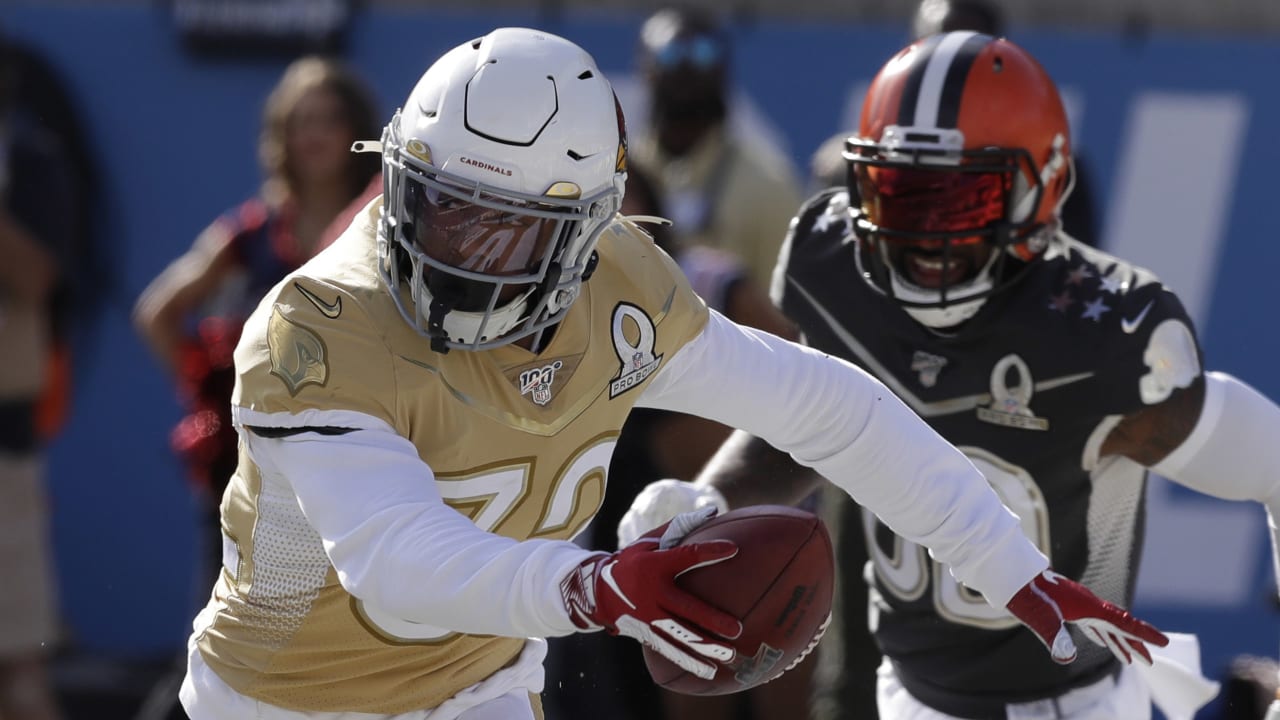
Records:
x=1062, y=372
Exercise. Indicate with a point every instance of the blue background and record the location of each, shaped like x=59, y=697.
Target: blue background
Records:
x=175, y=138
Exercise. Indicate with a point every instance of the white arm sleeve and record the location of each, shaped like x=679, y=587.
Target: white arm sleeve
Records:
x=393, y=541
x=1234, y=450
x=837, y=419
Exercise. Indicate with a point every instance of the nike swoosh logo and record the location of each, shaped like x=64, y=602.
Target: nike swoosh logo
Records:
x=923, y=409
x=1130, y=325
x=329, y=310
x=606, y=574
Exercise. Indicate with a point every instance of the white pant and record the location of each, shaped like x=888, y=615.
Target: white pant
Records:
x=501, y=696
x=1126, y=699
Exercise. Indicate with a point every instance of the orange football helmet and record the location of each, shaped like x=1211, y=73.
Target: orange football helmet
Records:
x=961, y=165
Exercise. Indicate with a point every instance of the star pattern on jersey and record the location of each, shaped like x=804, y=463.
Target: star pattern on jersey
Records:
x=1094, y=309
x=1079, y=275
x=1061, y=301
x=1111, y=284
x=1089, y=287
x=833, y=216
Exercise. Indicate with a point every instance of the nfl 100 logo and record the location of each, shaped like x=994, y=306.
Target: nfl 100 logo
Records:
x=536, y=382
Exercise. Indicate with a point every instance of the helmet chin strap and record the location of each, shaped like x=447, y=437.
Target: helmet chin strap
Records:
x=445, y=322
x=441, y=305
x=957, y=309
x=936, y=318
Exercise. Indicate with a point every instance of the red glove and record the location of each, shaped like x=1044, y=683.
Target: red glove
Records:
x=633, y=592
x=1050, y=601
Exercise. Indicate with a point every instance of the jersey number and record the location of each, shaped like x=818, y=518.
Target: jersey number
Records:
x=490, y=497
x=905, y=571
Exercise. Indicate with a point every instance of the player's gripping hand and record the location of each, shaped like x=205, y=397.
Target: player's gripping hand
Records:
x=1050, y=601
x=633, y=592
x=662, y=500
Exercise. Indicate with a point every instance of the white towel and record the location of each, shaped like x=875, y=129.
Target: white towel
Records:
x=1178, y=687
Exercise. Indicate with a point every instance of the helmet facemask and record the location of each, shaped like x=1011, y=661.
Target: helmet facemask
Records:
x=941, y=228
x=978, y=134
x=483, y=266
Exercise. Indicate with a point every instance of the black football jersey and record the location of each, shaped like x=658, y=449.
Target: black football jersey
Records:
x=1028, y=390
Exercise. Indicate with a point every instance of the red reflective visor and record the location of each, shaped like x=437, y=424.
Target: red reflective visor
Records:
x=488, y=240
x=916, y=200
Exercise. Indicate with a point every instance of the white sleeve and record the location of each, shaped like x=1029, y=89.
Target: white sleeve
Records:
x=1234, y=450
x=845, y=424
x=393, y=541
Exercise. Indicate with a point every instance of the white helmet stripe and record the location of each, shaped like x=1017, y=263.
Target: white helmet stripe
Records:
x=935, y=77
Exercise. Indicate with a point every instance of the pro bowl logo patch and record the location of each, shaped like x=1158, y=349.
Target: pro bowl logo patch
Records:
x=1011, y=403
x=536, y=382
x=633, y=338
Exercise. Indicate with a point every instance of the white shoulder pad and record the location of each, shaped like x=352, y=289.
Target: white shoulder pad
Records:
x=1171, y=355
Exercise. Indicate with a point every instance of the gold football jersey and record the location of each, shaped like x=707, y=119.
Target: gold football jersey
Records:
x=518, y=442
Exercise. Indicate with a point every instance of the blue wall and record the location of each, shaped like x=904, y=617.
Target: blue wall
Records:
x=175, y=139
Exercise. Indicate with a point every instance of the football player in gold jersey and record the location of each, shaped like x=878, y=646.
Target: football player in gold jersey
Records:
x=428, y=407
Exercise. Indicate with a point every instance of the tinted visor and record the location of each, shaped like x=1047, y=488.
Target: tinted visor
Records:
x=938, y=203
x=489, y=236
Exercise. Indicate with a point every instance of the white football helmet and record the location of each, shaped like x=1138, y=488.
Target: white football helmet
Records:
x=500, y=172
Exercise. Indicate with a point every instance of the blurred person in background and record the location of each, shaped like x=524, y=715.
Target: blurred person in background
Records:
x=718, y=190
x=587, y=672
x=1062, y=372
x=1249, y=689
x=192, y=313
x=720, y=193
x=940, y=16
x=40, y=209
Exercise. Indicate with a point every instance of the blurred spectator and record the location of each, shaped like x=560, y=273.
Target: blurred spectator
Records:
x=939, y=16
x=1249, y=688
x=191, y=314
x=587, y=672
x=343, y=220
x=1079, y=214
x=39, y=208
x=719, y=191
x=77, y=300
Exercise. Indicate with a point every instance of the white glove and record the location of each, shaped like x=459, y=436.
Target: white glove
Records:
x=662, y=500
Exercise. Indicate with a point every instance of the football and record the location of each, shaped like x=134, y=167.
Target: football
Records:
x=779, y=585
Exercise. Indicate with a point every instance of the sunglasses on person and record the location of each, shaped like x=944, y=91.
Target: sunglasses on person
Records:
x=700, y=51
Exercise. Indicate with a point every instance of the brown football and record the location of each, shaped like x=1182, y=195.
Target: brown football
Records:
x=779, y=585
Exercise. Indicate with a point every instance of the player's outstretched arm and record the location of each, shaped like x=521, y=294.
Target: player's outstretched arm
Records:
x=834, y=418
x=876, y=465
